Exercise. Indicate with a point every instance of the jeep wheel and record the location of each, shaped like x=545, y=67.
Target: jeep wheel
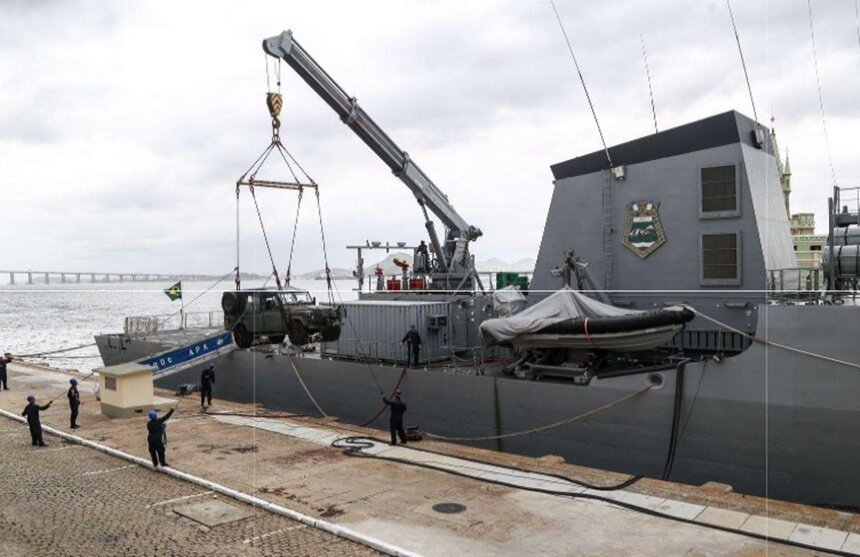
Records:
x=243, y=338
x=298, y=334
x=232, y=302
x=276, y=339
x=330, y=334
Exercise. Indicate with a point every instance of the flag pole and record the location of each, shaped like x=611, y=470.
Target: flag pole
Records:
x=181, y=307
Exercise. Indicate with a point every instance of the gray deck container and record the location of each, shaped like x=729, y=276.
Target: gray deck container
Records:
x=373, y=329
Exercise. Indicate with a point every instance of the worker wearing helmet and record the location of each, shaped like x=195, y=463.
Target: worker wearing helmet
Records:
x=74, y=402
x=155, y=437
x=32, y=412
x=207, y=379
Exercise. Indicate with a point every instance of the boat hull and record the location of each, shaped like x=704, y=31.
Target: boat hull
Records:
x=626, y=341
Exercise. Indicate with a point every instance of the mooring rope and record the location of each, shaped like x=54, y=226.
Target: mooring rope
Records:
x=547, y=427
x=767, y=342
x=59, y=351
x=305, y=387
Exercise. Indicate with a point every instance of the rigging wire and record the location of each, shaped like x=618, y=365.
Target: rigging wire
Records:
x=582, y=80
x=857, y=21
x=743, y=61
x=213, y=285
x=650, y=90
x=820, y=96
x=293, y=239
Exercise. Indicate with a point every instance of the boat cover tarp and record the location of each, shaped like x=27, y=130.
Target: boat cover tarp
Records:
x=508, y=301
x=563, y=305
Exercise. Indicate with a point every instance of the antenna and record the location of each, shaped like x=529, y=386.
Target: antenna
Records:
x=743, y=62
x=582, y=80
x=650, y=90
x=820, y=97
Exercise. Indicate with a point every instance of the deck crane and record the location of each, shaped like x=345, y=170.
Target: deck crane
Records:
x=453, y=257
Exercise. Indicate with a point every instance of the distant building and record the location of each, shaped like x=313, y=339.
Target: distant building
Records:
x=807, y=244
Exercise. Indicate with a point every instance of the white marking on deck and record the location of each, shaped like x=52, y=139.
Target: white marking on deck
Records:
x=276, y=532
x=177, y=499
x=109, y=470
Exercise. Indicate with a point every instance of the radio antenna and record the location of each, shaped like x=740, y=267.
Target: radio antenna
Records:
x=743, y=62
x=650, y=90
x=582, y=80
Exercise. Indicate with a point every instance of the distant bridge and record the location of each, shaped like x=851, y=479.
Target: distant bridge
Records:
x=67, y=277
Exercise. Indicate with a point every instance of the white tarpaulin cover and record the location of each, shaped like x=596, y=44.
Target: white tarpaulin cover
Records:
x=508, y=301
x=559, y=306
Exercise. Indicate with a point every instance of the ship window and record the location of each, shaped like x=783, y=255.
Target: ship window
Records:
x=719, y=192
x=720, y=259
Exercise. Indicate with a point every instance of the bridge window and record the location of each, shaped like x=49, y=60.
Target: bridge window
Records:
x=721, y=259
x=719, y=192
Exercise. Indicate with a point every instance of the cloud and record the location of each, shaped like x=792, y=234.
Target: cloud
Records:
x=127, y=126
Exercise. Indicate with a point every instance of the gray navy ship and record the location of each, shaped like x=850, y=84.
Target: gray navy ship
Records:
x=758, y=387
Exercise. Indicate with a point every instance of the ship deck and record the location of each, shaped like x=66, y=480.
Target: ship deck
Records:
x=514, y=505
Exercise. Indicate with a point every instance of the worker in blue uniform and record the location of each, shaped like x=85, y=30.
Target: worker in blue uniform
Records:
x=3, y=361
x=395, y=420
x=155, y=436
x=207, y=379
x=74, y=402
x=413, y=345
x=32, y=412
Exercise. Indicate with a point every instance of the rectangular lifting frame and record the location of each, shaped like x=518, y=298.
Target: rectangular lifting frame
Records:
x=274, y=184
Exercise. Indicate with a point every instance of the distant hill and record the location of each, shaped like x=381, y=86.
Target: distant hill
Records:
x=387, y=264
x=495, y=265
x=336, y=274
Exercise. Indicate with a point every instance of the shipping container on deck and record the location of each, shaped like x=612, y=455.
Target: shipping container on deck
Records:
x=373, y=329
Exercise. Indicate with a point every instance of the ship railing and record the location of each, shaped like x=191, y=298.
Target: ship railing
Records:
x=794, y=284
x=141, y=325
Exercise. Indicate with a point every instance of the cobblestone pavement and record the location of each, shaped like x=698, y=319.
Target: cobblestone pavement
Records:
x=66, y=499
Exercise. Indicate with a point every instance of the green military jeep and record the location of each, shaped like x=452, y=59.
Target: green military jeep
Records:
x=250, y=314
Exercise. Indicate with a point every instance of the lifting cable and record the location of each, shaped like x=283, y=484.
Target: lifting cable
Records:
x=274, y=104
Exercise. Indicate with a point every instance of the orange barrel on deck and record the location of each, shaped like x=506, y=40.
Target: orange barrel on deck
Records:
x=416, y=284
x=392, y=284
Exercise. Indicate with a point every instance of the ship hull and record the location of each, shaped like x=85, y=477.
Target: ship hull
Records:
x=768, y=422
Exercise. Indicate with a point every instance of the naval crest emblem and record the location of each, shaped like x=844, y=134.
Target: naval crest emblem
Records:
x=644, y=232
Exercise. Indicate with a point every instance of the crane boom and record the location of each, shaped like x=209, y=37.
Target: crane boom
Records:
x=429, y=196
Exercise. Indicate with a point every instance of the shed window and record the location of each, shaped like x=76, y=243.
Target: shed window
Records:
x=110, y=383
x=719, y=190
x=720, y=257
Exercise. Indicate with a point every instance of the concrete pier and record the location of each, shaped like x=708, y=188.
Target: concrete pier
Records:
x=503, y=500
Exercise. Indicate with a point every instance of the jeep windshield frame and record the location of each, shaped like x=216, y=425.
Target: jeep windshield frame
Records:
x=298, y=297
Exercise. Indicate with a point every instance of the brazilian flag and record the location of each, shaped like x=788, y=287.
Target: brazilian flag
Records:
x=174, y=292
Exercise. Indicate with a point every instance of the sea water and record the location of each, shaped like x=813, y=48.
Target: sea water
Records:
x=46, y=317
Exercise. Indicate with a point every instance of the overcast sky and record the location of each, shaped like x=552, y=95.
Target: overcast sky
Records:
x=124, y=126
